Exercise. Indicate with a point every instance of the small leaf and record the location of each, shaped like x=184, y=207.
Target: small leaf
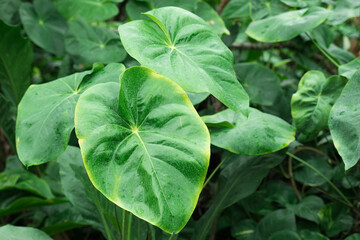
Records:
x=10, y=232
x=311, y=104
x=46, y=114
x=176, y=37
x=44, y=25
x=146, y=149
x=301, y=3
x=206, y=12
x=308, y=208
x=257, y=134
x=89, y=44
x=90, y=10
x=286, y=26
x=9, y=11
x=344, y=122
x=349, y=69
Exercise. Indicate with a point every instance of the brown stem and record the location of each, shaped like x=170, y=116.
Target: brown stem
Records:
x=117, y=220
x=222, y=5
x=290, y=168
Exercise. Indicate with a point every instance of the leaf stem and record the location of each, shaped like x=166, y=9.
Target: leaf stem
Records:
x=323, y=176
x=331, y=59
x=117, y=220
x=215, y=170
x=172, y=236
x=129, y=227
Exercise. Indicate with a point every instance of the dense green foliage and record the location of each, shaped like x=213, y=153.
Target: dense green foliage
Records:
x=179, y=119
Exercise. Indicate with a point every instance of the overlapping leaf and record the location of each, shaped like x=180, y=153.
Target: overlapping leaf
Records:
x=145, y=148
x=181, y=46
x=259, y=133
x=344, y=122
x=287, y=25
x=89, y=44
x=311, y=104
x=46, y=114
x=44, y=25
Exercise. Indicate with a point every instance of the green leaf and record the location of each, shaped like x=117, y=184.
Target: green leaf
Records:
x=7, y=120
x=307, y=234
x=344, y=122
x=273, y=222
x=244, y=230
x=355, y=236
x=16, y=55
x=335, y=218
x=90, y=10
x=286, y=26
x=145, y=149
x=240, y=178
x=89, y=44
x=311, y=104
x=285, y=235
x=44, y=25
x=308, y=208
x=206, y=12
x=344, y=10
x=183, y=47
x=257, y=134
x=9, y=11
x=301, y=3
x=307, y=176
x=10, y=232
x=46, y=114
x=349, y=69
x=262, y=84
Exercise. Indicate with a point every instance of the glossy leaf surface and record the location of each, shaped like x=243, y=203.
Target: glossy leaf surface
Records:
x=10, y=232
x=183, y=47
x=16, y=55
x=287, y=25
x=90, y=10
x=90, y=44
x=44, y=25
x=145, y=148
x=311, y=104
x=259, y=133
x=344, y=122
x=46, y=114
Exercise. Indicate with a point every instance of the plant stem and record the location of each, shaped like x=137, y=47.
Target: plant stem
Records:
x=117, y=220
x=332, y=60
x=323, y=176
x=172, y=236
x=123, y=224
x=129, y=227
x=215, y=170
x=108, y=232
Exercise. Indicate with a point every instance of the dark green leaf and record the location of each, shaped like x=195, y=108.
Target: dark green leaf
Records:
x=44, y=25
x=16, y=56
x=9, y=11
x=90, y=10
x=262, y=84
x=308, y=208
x=89, y=44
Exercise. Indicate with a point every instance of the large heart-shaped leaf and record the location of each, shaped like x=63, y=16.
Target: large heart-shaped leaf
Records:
x=10, y=232
x=287, y=25
x=311, y=104
x=183, y=47
x=89, y=44
x=344, y=122
x=16, y=55
x=44, y=25
x=259, y=133
x=146, y=149
x=90, y=10
x=46, y=114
